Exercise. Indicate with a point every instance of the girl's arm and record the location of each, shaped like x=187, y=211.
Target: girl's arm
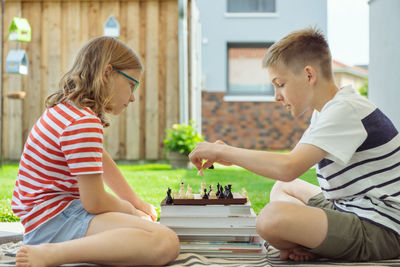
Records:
x=96, y=200
x=117, y=183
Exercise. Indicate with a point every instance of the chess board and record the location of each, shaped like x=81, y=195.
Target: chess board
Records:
x=237, y=199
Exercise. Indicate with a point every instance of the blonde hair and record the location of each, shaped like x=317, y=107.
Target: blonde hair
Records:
x=84, y=83
x=299, y=49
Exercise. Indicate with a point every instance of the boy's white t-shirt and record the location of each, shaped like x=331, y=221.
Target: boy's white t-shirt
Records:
x=361, y=173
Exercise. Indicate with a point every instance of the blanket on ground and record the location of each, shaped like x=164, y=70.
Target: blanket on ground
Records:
x=8, y=251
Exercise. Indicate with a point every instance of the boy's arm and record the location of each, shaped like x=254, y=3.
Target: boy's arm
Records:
x=117, y=183
x=96, y=200
x=278, y=166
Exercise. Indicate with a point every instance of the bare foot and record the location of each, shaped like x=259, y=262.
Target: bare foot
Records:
x=297, y=254
x=33, y=256
x=284, y=255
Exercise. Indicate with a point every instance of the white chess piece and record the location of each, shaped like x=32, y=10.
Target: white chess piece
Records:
x=212, y=193
x=189, y=194
x=203, y=185
x=244, y=193
x=182, y=191
x=200, y=172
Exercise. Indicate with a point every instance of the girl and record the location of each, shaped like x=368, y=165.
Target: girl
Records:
x=59, y=193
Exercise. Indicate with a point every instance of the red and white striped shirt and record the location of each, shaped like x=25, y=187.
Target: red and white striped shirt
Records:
x=65, y=142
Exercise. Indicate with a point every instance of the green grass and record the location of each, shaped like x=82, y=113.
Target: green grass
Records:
x=151, y=181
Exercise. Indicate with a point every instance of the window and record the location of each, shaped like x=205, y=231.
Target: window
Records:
x=246, y=76
x=251, y=6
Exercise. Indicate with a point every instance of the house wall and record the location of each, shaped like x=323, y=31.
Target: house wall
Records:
x=343, y=78
x=59, y=29
x=384, y=57
x=218, y=29
x=255, y=125
x=262, y=124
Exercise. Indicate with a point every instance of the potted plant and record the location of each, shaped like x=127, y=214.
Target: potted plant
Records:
x=180, y=140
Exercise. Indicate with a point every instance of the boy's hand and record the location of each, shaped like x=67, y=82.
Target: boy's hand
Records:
x=206, y=151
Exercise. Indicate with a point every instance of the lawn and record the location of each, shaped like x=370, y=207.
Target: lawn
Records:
x=151, y=182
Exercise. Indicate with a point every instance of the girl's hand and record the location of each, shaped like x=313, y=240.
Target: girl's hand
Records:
x=149, y=210
x=141, y=214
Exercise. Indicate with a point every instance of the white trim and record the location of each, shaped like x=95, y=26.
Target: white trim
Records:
x=350, y=71
x=251, y=15
x=249, y=98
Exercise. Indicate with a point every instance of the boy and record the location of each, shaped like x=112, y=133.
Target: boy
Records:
x=355, y=213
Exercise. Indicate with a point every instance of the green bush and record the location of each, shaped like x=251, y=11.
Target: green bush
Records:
x=6, y=215
x=182, y=138
x=363, y=90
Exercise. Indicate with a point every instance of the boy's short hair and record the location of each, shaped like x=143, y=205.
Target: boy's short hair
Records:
x=299, y=49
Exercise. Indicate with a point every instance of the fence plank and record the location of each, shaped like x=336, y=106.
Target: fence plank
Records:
x=172, y=66
x=151, y=80
x=111, y=137
x=53, y=33
x=132, y=117
x=162, y=75
x=32, y=82
x=12, y=116
x=143, y=92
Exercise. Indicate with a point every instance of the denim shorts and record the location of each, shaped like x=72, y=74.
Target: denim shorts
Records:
x=71, y=223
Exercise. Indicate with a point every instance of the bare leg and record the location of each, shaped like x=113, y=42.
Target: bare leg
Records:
x=296, y=191
x=287, y=223
x=113, y=239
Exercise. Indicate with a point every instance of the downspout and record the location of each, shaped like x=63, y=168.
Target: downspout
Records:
x=1, y=82
x=183, y=62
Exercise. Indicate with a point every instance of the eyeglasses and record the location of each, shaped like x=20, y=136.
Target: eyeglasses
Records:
x=133, y=87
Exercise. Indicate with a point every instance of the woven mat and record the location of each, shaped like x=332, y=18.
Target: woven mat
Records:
x=8, y=251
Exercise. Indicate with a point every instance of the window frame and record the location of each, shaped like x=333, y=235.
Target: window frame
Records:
x=251, y=97
x=229, y=14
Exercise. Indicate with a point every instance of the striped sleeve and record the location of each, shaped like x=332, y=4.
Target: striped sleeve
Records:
x=82, y=144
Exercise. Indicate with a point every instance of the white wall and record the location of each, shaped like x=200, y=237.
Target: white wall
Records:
x=384, y=64
x=218, y=29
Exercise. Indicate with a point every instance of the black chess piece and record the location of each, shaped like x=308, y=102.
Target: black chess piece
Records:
x=221, y=192
x=209, y=191
x=205, y=196
x=168, y=198
x=229, y=192
x=218, y=192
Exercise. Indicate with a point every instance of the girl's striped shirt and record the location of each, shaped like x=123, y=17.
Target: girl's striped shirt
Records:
x=65, y=142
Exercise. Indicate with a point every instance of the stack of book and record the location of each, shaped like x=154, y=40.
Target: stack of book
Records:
x=215, y=230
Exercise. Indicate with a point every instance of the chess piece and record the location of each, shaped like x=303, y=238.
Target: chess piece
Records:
x=221, y=192
x=200, y=172
x=203, y=185
x=168, y=198
x=182, y=194
x=244, y=193
x=229, y=192
x=218, y=192
x=189, y=193
x=209, y=191
x=205, y=196
x=212, y=194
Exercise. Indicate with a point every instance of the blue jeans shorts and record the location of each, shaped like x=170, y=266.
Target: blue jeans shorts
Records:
x=71, y=223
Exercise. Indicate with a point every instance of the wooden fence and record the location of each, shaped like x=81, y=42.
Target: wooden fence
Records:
x=59, y=29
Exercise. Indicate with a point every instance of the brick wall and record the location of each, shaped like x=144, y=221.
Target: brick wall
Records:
x=255, y=125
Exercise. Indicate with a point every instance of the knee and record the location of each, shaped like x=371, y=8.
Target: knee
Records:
x=270, y=221
x=277, y=189
x=167, y=246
